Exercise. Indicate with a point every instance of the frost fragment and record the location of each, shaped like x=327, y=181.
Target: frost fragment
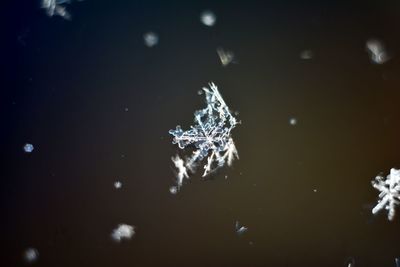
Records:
x=28, y=148
x=208, y=18
x=240, y=229
x=377, y=52
x=210, y=137
x=31, y=255
x=293, y=121
x=56, y=8
x=117, y=184
x=123, y=231
x=226, y=57
x=306, y=54
x=389, y=195
x=173, y=190
x=150, y=39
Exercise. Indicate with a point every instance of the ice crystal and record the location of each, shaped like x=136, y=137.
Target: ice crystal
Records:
x=240, y=229
x=377, y=52
x=123, y=231
x=28, y=148
x=208, y=18
x=117, y=184
x=210, y=137
x=306, y=54
x=150, y=39
x=389, y=195
x=31, y=255
x=226, y=57
x=57, y=7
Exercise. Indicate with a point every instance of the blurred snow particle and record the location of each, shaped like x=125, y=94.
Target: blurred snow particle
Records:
x=397, y=261
x=150, y=39
x=56, y=7
x=293, y=121
x=315, y=190
x=226, y=57
x=31, y=255
x=208, y=18
x=28, y=148
x=376, y=51
x=306, y=54
x=389, y=195
x=182, y=172
x=350, y=262
x=117, y=185
x=123, y=231
x=240, y=229
x=173, y=190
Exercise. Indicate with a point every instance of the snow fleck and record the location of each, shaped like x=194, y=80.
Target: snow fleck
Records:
x=240, y=229
x=226, y=57
x=306, y=54
x=315, y=190
x=117, y=184
x=397, y=261
x=126, y=109
x=31, y=255
x=210, y=137
x=150, y=39
x=376, y=51
x=28, y=148
x=389, y=195
x=208, y=18
x=293, y=121
x=123, y=231
x=56, y=7
x=173, y=190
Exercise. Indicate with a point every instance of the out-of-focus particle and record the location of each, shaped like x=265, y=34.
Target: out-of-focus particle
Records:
x=350, y=262
x=31, y=255
x=376, y=51
x=315, y=190
x=117, y=184
x=306, y=54
x=28, y=148
x=397, y=261
x=293, y=121
x=208, y=18
x=123, y=231
x=173, y=190
x=56, y=7
x=226, y=57
x=240, y=229
x=126, y=109
x=150, y=39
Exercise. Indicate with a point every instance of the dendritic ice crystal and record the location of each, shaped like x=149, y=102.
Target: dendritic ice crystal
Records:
x=389, y=196
x=209, y=137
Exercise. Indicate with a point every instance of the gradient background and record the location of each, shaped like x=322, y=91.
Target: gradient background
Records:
x=66, y=87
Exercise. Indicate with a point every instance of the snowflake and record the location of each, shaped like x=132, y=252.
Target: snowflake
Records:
x=240, y=229
x=208, y=18
x=150, y=39
x=56, y=7
x=123, y=231
x=389, y=192
x=28, y=148
x=210, y=137
x=226, y=57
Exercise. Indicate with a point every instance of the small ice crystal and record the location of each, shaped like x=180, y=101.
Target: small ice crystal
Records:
x=210, y=137
x=306, y=54
x=226, y=57
x=56, y=7
x=397, y=261
x=208, y=18
x=377, y=51
x=173, y=190
x=28, y=148
x=389, y=195
x=240, y=229
x=150, y=39
x=293, y=121
x=117, y=184
x=123, y=231
x=31, y=255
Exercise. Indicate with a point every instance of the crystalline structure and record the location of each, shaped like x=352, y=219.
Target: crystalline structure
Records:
x=208, y=18
x=28, y=148
x=389, y=195
x=123, y=231
x=150, y=39
x=377, y=51
x=210, y=137
x=240, y=229
x=31, y=255
x=56, y=7
x=226, y=57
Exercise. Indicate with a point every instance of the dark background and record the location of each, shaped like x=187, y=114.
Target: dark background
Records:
x=65, y=89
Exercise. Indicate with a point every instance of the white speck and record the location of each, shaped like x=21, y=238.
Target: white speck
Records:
x=200, y=92
x=376, y=51
x=293, y=121
x=226, y=177
x=150, y=39
x=117, y=184
x=315, y=190
x=173, y=190
x=240, y=229
x=306, y=54
x=123, y=231
x=397, y=261
x=28, y=148
x=126, y=109
x=208, y=18
x=31, y=255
